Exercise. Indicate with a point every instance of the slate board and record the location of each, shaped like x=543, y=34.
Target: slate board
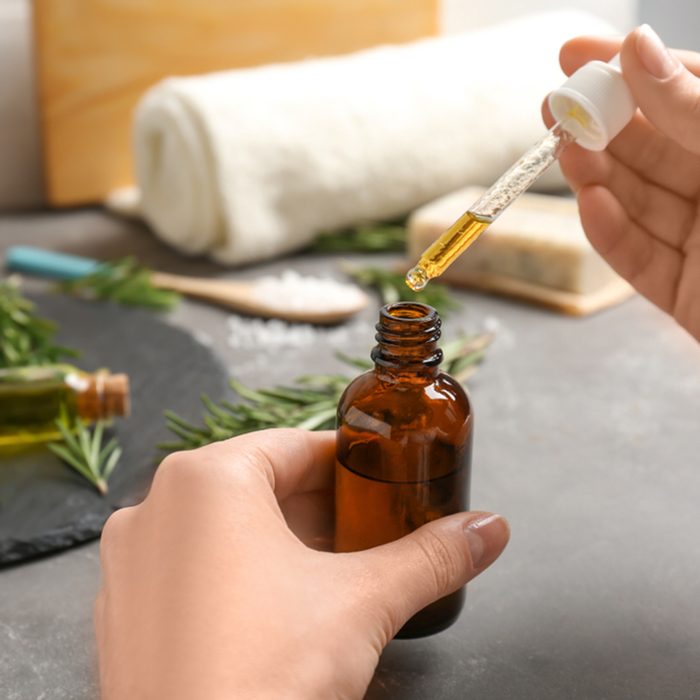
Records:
x=45, y=506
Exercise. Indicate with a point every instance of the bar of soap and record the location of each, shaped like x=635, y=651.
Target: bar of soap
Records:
x=535, y=250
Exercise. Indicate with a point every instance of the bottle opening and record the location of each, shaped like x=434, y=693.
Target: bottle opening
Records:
x=407, y=336
x=410, y=310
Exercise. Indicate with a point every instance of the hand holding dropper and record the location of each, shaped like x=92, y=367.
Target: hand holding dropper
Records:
x=591, y=108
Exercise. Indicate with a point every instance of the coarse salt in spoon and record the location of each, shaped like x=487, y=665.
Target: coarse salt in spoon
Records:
x=290, y=296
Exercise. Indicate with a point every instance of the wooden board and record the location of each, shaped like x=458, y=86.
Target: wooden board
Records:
x=95, y=58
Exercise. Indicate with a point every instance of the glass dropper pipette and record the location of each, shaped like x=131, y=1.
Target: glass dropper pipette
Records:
x=591, y=107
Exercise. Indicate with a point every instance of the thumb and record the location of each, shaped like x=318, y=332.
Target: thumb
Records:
x=432, y=562
x=667, y=93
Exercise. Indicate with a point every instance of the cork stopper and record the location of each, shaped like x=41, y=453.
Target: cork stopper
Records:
x=105, y=396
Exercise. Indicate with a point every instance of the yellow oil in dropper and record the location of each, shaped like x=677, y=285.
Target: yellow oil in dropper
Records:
x=441, y=254
x=458, y=237
x=593, y=105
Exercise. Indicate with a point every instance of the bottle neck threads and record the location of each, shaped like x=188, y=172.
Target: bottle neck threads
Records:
x=407, y=337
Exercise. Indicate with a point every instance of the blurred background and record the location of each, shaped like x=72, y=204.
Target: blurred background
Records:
x=23, y=174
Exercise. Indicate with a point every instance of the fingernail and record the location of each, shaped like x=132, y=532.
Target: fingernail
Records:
x=487, y=535
x=654, y=55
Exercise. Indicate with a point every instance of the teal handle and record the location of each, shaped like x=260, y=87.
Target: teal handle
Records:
x=48, y=263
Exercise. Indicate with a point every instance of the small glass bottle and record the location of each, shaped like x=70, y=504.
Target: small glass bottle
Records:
x=403, y=447
x=31, y=399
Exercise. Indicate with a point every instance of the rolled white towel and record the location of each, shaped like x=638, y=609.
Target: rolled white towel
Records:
x=251, y=163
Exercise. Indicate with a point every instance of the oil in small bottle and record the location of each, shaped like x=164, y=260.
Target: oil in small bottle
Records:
x=32, y=398
x=403, y=447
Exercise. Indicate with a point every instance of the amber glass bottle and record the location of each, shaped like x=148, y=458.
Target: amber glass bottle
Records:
x=403, y=446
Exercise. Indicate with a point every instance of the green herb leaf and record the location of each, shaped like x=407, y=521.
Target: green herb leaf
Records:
x=310, y=403
x=358, y=362
x=25, y=338
x=392, y=287
x=462, y=356
x=82, y=450
x=123, y=281
x=365, y=238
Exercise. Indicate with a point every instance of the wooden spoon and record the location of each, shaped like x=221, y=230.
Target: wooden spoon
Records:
x=239, y=296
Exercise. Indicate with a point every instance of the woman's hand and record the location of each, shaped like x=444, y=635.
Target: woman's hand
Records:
x=639, y=199
x=211, y=590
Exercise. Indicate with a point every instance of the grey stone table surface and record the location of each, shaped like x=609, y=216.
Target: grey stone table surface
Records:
x=587, y=435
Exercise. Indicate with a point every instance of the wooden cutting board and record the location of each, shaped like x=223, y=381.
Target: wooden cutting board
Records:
x=95, y=58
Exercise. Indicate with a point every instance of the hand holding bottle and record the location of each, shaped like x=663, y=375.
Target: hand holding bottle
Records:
x=211, y=587
x=639, y=200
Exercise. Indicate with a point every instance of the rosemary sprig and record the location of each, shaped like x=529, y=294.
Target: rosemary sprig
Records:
x=25, y=337
x=123, y=281
x=365, y=238
x=463, y=355
x=310, y=403
x=391, y=287
x=82, y=450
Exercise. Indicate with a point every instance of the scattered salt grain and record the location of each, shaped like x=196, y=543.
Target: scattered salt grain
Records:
x=292, y=292
x=203, y=338
x=258, y=334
